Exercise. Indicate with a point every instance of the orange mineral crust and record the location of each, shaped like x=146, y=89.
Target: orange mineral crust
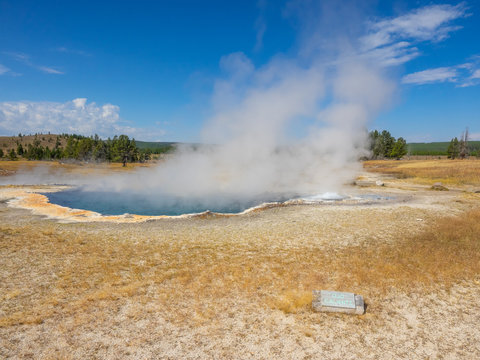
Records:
x=31, y=198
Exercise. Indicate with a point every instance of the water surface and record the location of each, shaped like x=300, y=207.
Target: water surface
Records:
x=118, y=203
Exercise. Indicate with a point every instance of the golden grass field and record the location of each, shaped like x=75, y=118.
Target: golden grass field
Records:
x=8, y=168
x=451, y=172
x=240, y=287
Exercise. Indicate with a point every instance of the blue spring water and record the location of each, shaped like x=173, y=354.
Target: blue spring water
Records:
x=118, y=203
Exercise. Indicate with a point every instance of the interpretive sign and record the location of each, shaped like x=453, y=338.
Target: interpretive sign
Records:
x=335, y=301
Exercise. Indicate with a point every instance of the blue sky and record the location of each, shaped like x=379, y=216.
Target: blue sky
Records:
x=150, y=68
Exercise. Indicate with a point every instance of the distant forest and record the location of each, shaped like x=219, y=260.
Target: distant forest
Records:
x=382, y=145
x=77, y=147
x=442, y=148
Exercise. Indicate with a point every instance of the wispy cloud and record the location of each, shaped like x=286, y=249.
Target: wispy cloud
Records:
x=260, y=25
x=463, y=75
x=50, y=70
x=441, y=74
x=18, y=56
x=3, y=69
x=63, y=49
x=76, y=116
x=25, y=59
x=393, y=41
x=395, y=54
x=476, y=74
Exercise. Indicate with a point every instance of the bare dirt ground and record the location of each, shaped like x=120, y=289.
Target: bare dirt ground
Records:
x=240, y=287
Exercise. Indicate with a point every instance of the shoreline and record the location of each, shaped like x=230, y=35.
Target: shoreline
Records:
x=31, y=197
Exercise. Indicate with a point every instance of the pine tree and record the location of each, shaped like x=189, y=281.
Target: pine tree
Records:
x=399, y=149
x=12, y=155
x=453, y=149
x=20, y=150
x=375, y=144
x=387, y=142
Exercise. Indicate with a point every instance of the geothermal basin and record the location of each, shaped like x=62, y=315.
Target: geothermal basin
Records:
x=118, y=203
x=159, y=204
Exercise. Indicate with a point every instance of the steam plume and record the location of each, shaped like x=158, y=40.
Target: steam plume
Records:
x=254, y=110
x=325, y=87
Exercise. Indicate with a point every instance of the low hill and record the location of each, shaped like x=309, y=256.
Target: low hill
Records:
x=46, y=140
x=156, y=147
x=437, y=148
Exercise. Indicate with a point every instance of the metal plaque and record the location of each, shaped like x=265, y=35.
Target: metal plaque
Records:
x=337, y=299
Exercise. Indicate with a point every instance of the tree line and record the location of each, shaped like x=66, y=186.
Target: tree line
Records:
x=460, y=149
x=384, y=145
x=77, y=147
x=123, y=149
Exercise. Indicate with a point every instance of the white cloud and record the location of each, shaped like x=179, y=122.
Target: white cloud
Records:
x=473, y=78
x=50, y=70
x=392, y=41
x=260, y=25
x=427, y=23
x=17, y=56
x=476, y=74
x=429, y=76
x=74, y=116
x=393, y=55
x=3, y=69
x=25, y=59
x=463, y=75
x=80, y=102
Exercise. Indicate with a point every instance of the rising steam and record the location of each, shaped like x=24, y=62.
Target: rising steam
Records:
x=329, y=91
x=251, y=151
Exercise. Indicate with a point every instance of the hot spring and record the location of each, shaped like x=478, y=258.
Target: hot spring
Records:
x=140, y=203
x=119, y=203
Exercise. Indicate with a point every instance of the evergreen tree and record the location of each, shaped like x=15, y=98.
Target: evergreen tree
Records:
x=381, y=144
x=375, y=144
x=399, y=149
x=99, y=152
x=69, y=151
x=12, y=155
x=20, y=150
x=123, y=149
x=387, y=142
x=453, y=149
x=47, y=154
x=84, y=149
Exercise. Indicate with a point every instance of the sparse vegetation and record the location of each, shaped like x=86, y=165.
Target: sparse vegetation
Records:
x=250, y=276
x=455, y=172
x=210, y=268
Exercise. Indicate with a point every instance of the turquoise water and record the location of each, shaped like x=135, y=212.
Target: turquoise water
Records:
x=118, y=203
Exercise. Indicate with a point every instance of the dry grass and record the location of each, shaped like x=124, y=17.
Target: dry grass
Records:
x=451, y=172
x=130, y=286
x=9, y=168
x=64, y=272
